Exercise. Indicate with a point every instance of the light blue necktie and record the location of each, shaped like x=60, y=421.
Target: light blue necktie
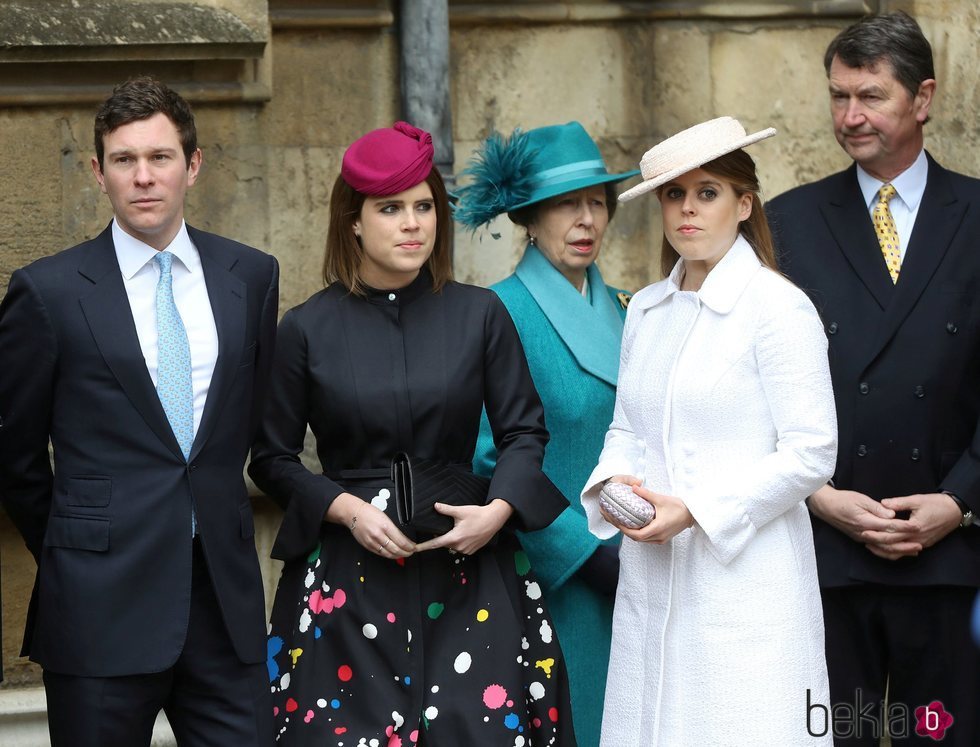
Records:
x=174, y=385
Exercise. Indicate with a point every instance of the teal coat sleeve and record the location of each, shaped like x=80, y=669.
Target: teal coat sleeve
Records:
x=557, y=551
x=578, y=409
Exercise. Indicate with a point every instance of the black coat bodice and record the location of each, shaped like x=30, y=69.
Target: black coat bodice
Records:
x=405, y=370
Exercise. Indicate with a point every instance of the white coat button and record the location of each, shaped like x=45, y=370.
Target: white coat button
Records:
x=391, y=296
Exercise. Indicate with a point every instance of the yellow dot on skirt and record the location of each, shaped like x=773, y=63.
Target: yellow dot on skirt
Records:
x=482, y=616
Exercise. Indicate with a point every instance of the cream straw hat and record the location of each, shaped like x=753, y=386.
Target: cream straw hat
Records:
x=689, y=149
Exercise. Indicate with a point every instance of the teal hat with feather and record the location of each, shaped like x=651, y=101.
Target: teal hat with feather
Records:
x=507, y=174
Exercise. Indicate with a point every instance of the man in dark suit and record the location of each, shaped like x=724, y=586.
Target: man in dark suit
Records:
x=141, y=355
x=889, y=252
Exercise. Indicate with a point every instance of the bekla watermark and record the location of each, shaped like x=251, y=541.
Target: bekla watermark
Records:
x=872, y=719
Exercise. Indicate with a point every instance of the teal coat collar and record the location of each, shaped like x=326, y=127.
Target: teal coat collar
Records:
x=591, y=328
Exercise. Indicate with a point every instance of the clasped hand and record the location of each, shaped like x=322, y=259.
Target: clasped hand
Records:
x=370, y=526
x=474, y=526
x=931, y=517
x=672, y=514
x=376, y=532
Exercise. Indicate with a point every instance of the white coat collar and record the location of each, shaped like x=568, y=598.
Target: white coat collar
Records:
x=720, y=290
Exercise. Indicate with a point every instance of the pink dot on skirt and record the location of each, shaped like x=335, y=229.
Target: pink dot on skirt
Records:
x=494, y=696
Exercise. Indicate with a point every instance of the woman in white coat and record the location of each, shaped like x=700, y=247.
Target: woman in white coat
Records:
x=725, y=422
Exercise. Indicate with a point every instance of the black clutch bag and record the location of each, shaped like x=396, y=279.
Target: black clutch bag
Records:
x=420, y=483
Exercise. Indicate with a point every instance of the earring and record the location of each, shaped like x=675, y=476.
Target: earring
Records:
x=532, y=240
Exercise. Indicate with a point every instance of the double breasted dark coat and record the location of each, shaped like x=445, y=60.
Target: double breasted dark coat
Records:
x=905, y=360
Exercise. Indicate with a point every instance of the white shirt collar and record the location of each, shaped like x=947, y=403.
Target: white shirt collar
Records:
x=133, y=255
x=909, y=185
x=720, y=290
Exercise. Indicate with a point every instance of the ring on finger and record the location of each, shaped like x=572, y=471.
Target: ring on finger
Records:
x=381, y=548
x=387, y=542
x=452, y=551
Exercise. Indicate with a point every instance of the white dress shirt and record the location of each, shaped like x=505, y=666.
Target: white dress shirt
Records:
x=140, y=276
x=904, y=206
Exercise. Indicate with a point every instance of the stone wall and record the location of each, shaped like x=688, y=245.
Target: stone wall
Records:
x=632, y=73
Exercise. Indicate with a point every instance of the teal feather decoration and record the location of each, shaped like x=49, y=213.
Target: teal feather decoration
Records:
x=501, y=174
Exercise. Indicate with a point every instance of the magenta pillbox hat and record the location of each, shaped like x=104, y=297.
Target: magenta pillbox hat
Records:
x=389, y=160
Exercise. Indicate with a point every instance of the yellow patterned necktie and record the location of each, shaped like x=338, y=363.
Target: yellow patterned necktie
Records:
x=886, y=232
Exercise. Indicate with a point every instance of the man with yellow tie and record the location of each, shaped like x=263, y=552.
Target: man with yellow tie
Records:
x=889, y=252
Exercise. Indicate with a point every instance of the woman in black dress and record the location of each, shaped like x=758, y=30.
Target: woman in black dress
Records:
x=381, y=635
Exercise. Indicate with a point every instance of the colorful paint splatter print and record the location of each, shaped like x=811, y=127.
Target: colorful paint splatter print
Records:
x=438, y=649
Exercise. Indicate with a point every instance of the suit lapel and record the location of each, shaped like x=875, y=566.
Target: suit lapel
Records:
x=938, y=219
x=850, y=224
x=110, y=318
x=228, y=296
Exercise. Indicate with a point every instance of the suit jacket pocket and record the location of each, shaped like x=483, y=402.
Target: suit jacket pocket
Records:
x=248, y=357
x=90, y=492
x=78, y=533
x=248, y=523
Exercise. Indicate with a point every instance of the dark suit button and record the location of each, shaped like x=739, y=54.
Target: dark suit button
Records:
x=193, y=467
x=862, y=450
x=920, y=391
x=915, y=455
x=832, y=329
x=951, y=328
x=863, y=387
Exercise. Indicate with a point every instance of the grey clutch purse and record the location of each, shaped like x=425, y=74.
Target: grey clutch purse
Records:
x=621, y=503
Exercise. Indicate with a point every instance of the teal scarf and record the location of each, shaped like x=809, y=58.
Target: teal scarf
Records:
x=591, y=327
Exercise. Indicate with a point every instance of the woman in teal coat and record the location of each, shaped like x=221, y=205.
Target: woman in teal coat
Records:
x=552, y=181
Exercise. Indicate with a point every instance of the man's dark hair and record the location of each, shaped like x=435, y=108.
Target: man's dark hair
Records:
x=895, y=38
x=141, y=98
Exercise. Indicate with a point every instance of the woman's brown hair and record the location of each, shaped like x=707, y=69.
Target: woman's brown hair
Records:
x=343, y=256
x=738, y=169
